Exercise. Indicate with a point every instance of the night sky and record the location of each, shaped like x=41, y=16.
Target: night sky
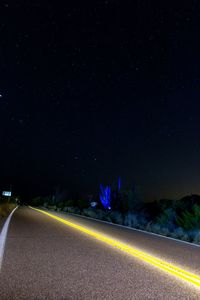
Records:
x=90, y=91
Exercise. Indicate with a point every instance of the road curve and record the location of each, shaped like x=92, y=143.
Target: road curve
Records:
x=45, y=259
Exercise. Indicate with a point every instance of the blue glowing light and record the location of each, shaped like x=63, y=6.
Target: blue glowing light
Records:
x=119, y=184
x=105, y=196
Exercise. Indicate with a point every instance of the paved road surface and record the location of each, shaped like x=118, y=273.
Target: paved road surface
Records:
x=45, y=259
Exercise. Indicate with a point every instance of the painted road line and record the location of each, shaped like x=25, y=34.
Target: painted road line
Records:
x=3, y=236
x=161, y=264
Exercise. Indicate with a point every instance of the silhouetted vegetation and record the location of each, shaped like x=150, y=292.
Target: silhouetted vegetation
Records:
x=174, y=218
x=7, y=204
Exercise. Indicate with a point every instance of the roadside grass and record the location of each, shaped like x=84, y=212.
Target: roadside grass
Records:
x=6, y=208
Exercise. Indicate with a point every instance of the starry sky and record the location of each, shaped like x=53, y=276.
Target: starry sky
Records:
x=90, y=91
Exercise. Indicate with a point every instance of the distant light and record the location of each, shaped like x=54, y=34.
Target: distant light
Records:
x=93, y=204
x=6, y=193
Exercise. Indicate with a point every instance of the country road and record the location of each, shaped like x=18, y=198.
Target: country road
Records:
x=46, y=259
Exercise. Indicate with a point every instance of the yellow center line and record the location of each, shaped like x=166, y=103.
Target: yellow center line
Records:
x=161, y=264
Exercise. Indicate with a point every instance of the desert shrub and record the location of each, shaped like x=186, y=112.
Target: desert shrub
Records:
x=186, y=237
x=148, y=226
x=190, y=220
x=196, y=237
x=60, y=205
x=187, y=203
x=131, y=220
x=129, y=201
x=116, y=217
x=63, y=205
x=69, y=202
x=72, y=210
x=178, y=233
x=165, y=231
x=89, y=212
x=97, y=214
x=104, y=215
x=82, y=203
x=53, y=207
x=167, y=219
x=156, y=228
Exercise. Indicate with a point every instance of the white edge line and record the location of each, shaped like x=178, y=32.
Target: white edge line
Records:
x=3, y=235
x=131, y=228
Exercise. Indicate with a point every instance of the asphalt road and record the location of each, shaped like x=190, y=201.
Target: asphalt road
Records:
x=45, y=259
